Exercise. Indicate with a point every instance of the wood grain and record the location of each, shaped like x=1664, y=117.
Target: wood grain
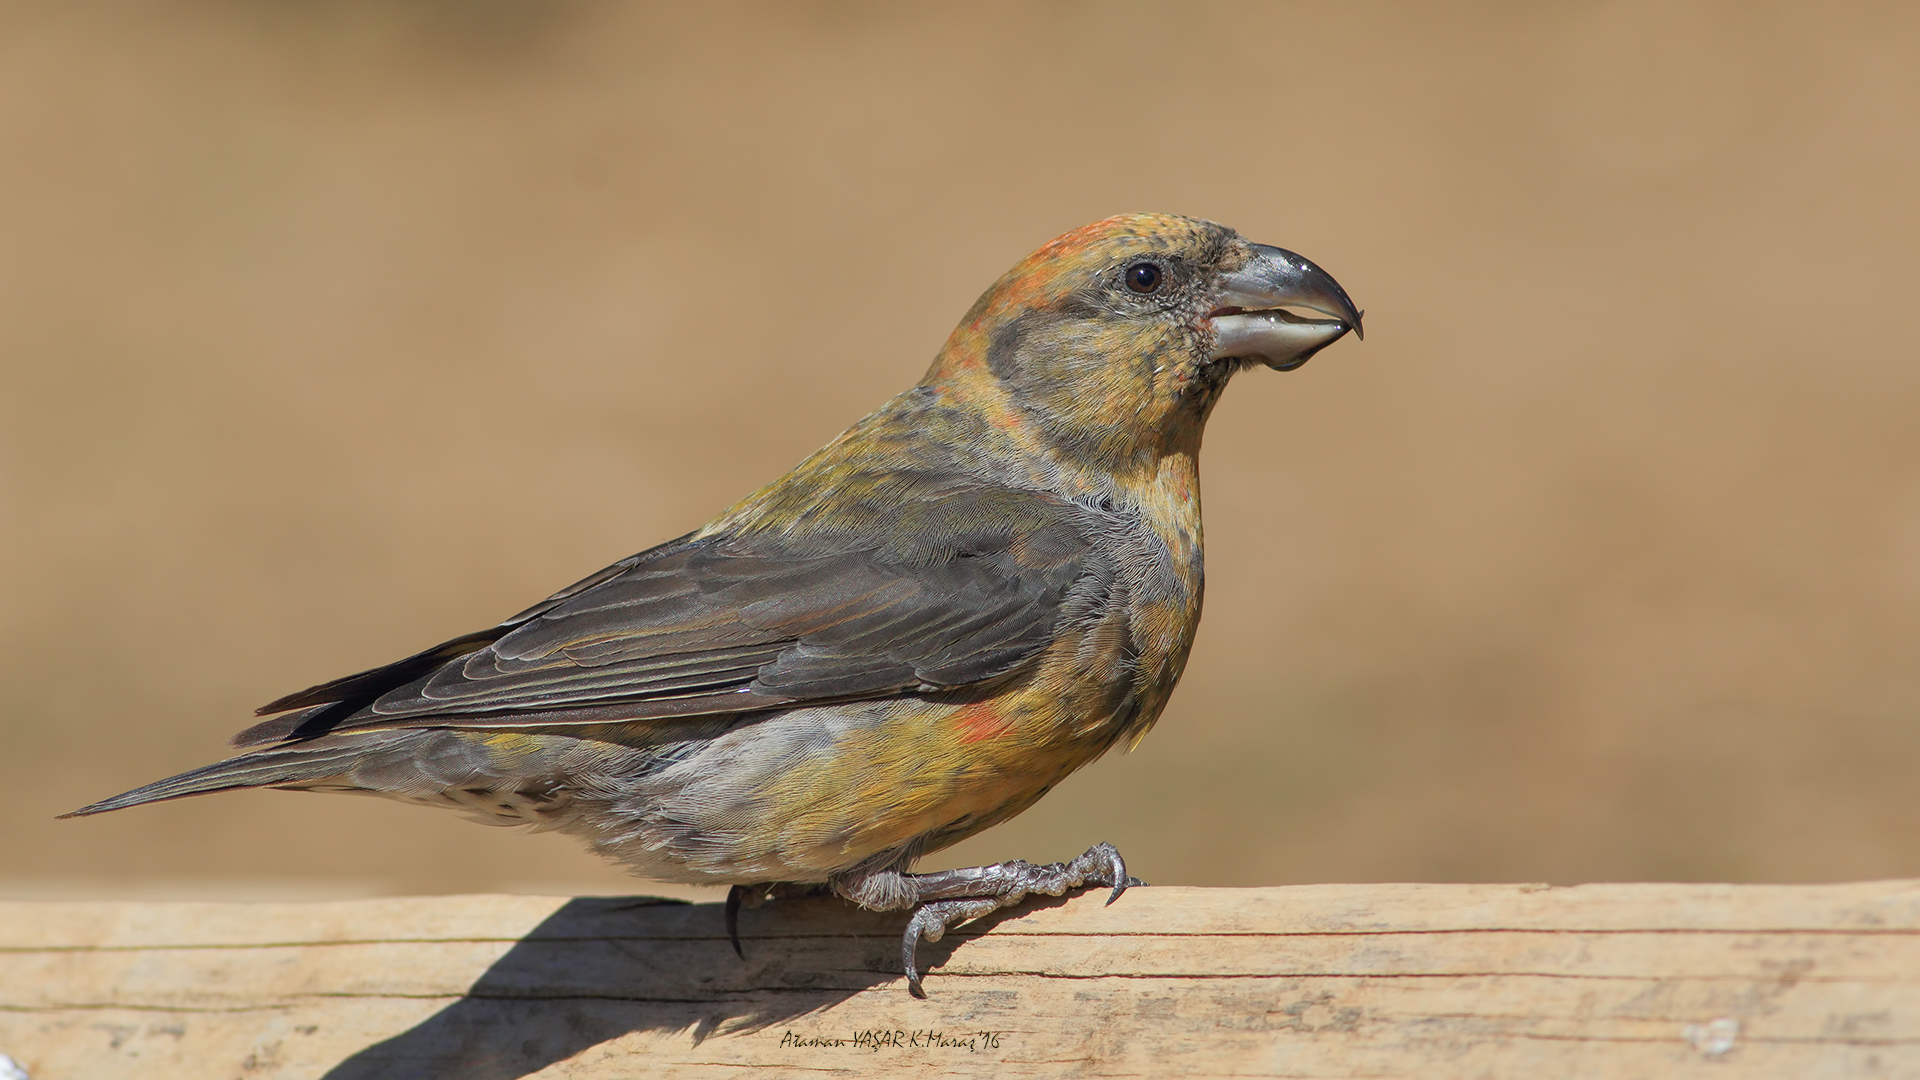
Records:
x=1310, y=981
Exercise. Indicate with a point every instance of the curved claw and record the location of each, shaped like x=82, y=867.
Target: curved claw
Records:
x=931, y=922
x=909, y=946
x=1117, y=871
x=735, y=897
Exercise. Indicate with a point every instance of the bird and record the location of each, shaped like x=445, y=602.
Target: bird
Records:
x=979, y=588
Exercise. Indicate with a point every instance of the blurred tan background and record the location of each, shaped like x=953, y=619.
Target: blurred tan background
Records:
x=331, y=330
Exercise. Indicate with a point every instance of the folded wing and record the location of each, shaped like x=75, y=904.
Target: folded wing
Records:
x=956, y=583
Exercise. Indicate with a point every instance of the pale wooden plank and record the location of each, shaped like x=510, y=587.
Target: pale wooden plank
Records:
x=1378, y=980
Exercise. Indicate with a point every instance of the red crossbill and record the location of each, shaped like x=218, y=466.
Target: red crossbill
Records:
x=911, y=637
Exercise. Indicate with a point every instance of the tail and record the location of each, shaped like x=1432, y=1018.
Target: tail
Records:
x=281, y=766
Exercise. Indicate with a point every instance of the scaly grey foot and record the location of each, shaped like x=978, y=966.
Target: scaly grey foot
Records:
x=955, y=896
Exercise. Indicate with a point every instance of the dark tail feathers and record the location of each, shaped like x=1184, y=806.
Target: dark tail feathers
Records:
x=300, y=763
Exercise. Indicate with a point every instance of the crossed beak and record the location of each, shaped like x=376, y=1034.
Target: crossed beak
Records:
x=1248, y=323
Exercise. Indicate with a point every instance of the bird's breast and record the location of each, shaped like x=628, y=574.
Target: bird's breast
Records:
x=1171, y=582
x=1114, y=672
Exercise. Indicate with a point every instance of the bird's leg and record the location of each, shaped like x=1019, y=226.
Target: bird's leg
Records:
x=947, y=897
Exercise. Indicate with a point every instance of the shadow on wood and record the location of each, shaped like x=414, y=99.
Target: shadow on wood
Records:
x=601, y=968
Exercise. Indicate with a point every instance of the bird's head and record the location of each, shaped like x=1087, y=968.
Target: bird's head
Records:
x=1117, y=337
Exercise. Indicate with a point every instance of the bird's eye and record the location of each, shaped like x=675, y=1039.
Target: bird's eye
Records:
x=1143, y=277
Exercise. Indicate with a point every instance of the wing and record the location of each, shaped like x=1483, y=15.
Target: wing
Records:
x=918, y=583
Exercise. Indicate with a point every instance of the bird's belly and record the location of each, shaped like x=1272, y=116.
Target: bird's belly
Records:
x=806, y=794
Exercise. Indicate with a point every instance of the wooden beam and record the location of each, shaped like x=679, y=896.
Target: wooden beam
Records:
x=1312, y=981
